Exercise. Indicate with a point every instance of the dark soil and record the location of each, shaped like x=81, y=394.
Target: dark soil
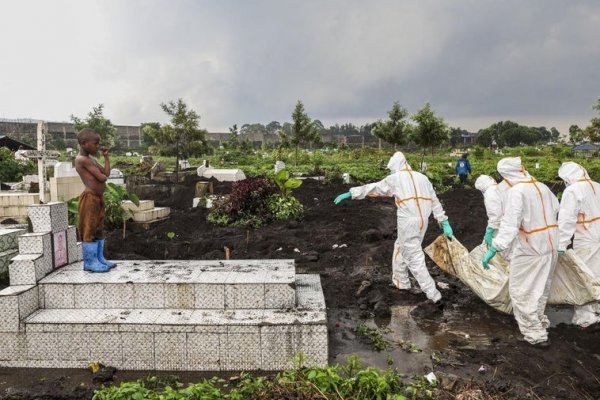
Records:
x=569, y=369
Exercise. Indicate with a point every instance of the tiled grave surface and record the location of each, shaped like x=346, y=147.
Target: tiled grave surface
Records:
x=193, y=284
x=8, y=238
x=51, y=217
x=28, y=269
x=17, y=303
x=173, y=339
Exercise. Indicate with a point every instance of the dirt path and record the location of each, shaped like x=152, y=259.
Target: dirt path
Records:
x=466, y=336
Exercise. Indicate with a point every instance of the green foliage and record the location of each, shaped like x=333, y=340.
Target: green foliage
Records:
x=114, y=196
x=430, y=130
x=183, y=136
x=375, y=336
x=347, y=381
x=102, y=125
x=394, y=129
x=304, y=131
x=12, y=170
x=285, y=183
x=73, y=211
x=285, y=207
x=333, y=175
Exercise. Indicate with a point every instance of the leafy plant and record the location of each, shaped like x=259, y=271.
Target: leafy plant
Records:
x=375, y=336
x=246, y=205
x=114, y=196
x=170, y=235
x=285, y=183
x=73, y=211
x=12, y=170
x=284, y=208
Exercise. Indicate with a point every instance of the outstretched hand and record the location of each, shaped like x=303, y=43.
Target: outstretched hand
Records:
x=342, y=197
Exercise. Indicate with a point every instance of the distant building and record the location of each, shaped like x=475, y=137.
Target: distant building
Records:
x=13, y=144
x=586, y=150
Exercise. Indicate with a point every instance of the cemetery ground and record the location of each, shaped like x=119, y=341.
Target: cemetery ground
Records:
x=467, y=344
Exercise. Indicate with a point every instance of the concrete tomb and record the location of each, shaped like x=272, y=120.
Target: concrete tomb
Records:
x=154, y=315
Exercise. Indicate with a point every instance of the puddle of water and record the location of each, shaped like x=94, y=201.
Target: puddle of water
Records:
x=452, y=330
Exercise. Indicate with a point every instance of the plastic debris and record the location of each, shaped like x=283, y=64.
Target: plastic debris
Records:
x=343, y=245
x=482, y=369
x=431, y=378
x=443, y=285
x=296, y=250
x=335, y=246
x=279, y=249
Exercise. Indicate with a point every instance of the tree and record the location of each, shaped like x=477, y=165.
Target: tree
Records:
x=304, y=131
x=273, y=127
x=575, y=134
x=394, y=129
x=430, y=130
x=183, y=136
x=147, y=139
x=12, y=170
x=555, y=134
x=592, y=132
x=96, y=121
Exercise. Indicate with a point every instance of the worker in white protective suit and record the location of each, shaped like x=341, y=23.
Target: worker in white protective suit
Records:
x=492, y=199
x=579, y=216
x=531, y=217
x=415, y=200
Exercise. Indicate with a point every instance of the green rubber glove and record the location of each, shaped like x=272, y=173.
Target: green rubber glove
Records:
x=561, y=252
x=489, y=235
x=447, y=229
x=488, y=256
x=342, y=197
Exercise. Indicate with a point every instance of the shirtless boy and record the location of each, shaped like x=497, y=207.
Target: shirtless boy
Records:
x=91, y=201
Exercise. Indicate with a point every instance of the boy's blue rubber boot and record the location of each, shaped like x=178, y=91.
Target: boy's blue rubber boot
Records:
x=101, y=255
x=90, y=258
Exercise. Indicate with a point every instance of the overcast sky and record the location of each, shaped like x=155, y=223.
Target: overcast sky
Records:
x=536, y=62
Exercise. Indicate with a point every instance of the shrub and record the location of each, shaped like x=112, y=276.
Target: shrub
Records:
x=333, y=175
x=12, y=170
x=285, y=207
x=246, y=205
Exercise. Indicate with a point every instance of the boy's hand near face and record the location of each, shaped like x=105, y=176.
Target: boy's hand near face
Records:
x=105, y=151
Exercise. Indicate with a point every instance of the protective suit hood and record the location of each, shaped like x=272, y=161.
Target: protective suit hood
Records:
x=484, y=182
x=512, y=170
x=571, y=172
x=398, y=162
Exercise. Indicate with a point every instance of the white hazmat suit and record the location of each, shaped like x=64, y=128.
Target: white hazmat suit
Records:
x=579, y=216
x=492, y=198
x=530, y=217
x=415, y=199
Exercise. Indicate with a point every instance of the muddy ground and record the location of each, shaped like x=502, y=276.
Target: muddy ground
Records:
x=465, y=340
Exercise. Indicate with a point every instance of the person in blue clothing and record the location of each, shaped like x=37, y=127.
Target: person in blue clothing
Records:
x=463, y=169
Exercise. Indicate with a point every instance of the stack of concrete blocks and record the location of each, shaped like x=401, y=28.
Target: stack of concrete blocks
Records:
x=51, y=244
x=14, y=205
x=167, y=315
x=146, y=212
x=9, y=247
x=35, y=260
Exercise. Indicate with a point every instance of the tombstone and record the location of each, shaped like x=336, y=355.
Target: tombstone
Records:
x=156, y=169
x=64, y=169
x=184, y=164
x=116, y=177
x=279, y=165
x=346, y=177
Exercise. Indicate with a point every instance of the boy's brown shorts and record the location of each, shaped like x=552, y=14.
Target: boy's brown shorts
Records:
x=91, y=217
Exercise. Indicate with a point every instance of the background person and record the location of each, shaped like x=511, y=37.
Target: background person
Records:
x=463, y=169
x=530, y=222
x=579, y=217
x=492, y=199
x=415, y=200
x=91, y=201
